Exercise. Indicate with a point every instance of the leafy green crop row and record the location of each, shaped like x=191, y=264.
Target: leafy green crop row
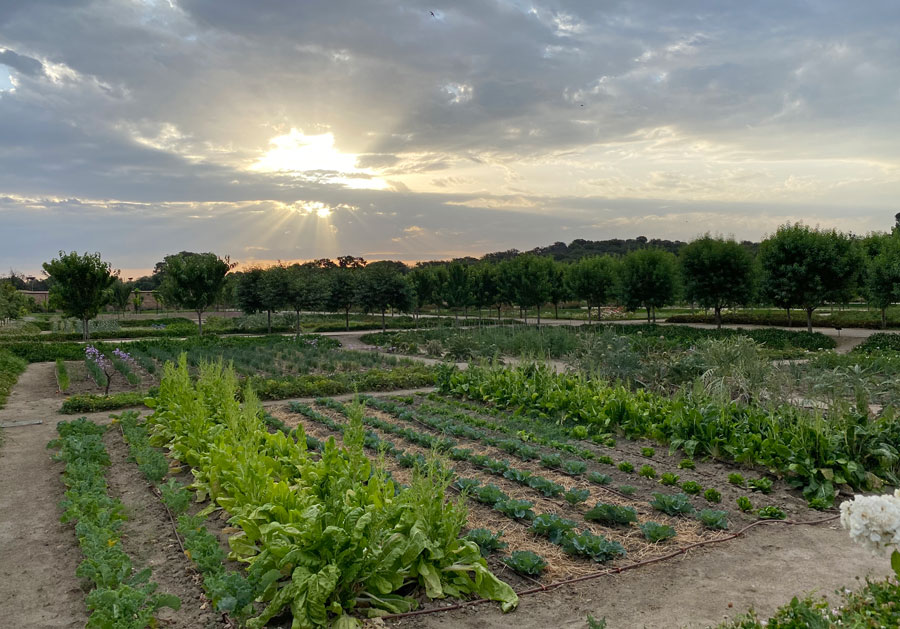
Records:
x=121, y=598
x=333, y=528
x=810, y=451
x=10, y=368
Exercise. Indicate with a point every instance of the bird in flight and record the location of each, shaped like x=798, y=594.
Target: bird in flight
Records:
x=433, y=15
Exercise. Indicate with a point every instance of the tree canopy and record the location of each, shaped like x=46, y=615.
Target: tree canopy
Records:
x=193, y=281
x=717, y=273
x=79, y=285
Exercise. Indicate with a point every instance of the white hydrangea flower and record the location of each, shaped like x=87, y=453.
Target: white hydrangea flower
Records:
x=873, y=521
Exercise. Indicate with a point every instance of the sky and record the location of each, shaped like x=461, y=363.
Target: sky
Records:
x=292, y=130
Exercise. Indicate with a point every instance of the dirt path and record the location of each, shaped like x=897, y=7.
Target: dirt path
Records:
x=38, y=554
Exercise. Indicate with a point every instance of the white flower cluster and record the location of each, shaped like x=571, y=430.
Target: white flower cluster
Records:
x=873, y=521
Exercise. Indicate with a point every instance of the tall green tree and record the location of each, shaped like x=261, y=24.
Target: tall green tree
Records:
x=79, y=285
x=559, y=287
x=649, y=280
x=194, y=281
x=382, y=286
x=457, y=290
x=529, y=280
x=485, y=288
x=594, y=280
x=804, y=267
x=306, y=288
x=424, y=283
x=121, y=294
x=272, y=288
x=882, y=282
x=717, y=273
x=247, y=290
x=342, y=290
x=13, y=304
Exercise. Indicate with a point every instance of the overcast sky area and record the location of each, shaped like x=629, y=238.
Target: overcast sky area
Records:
x=272, y=130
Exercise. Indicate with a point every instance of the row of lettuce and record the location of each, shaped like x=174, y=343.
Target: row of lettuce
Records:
x=324, y=534
x=808, y=450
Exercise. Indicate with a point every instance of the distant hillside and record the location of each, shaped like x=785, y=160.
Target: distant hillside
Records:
x=581, y=248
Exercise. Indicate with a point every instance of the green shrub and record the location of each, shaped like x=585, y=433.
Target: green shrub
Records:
x=487, y=541
x=647, y=471
x=762, y=484
x=712, y=495
x=576, y=496
x=744, y=504
x=668, y=478
x=90, y=403
x=599, y=479
x=626, y=467
x=526, y=562
x=611, y=514
x=691, y=488
x=627, y=490
x=771, y=513
x=686, y=464
x=713, y=519
x=10, y=368
x=648, y=452
x=736, y=479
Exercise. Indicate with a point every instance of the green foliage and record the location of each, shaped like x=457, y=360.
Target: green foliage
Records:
x=546, y=486
x=647, y=471
x=626, y=467
x=175, y=496
x=79, y=285
x=691, y=487
x=736, y=479
x=668, y=478
x=553, y=461
x=744, y=504
x=526, y=562
x=595, y=547
x=712, y=495
x=771, y=513
x=577, y=496
x=516, y=509
x=150, y=461
x=63, y=381
x=487, y=541
x=574, y=467
x=672, y=504
x=762, y=484
x=717, y=273
x=599, y=478
x=193, y=281
x=686, y=464
x=333, y=529
x=89, y=403
x=553, y=527
x=627, y=490
x=648, y=452
x=649, y=280
x=605, y=460
x=655, y=532
x=611, y=514
x=713, y=519
x=593, y=623
x=121, y=597
x=10, y=368
x=13, y=304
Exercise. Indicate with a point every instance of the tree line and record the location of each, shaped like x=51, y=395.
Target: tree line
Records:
x=797, y=267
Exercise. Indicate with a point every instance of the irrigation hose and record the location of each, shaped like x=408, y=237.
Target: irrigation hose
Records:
x=611, y=571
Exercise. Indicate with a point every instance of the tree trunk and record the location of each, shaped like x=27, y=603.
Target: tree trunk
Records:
x=883, y=318
x=589, y=314
x=648, y=314
x=498, y=315
x=789, y=317
x=556, y=310
x=85, y=331
x=269, y=321
x=347, y=318
x=809, y=312
x=383, y=324
x=539, y=316
x=719, y=317
x=466, y=313
x=654, y=314
x=298, y=324
x=199, y=323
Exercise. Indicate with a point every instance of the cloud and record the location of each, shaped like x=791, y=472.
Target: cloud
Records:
x=21, y=63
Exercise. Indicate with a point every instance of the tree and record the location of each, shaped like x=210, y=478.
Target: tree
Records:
x=137, y=300
x=305, y=288
x=13, y=304
x=382, y=286
x=80, y=285
x=457, y=291
x=272, y=288
x=717, y=273
x=649, y=280
x=882, y=283
x=121, y=294
x=559, y=288
x=194, y=281
x=342, y=291
x=246, y=292
x=530, y=280
x=424, y=283
x=594, y=280
x=805, y=267
x=485, y=288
